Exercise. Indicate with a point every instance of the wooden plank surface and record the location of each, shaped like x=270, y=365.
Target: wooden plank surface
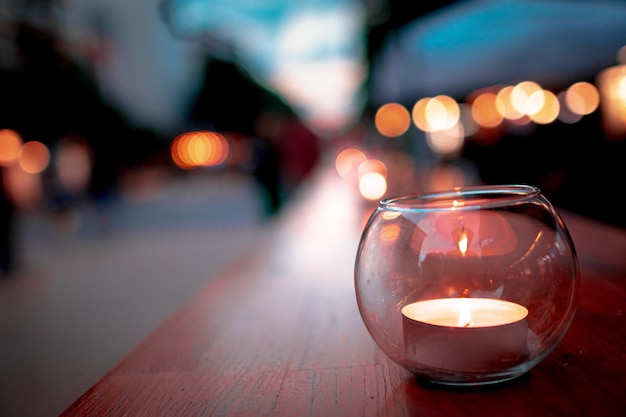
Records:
x=279, y=334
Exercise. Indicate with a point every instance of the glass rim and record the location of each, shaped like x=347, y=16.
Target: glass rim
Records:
x=462, y=198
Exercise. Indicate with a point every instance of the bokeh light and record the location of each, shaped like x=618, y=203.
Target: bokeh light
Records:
x=545, y=106
x=535, y=102
x=348, y=160
x=418, y=114
x=179, y=152
x=392, y=120
x=10, y=143
x=443, y=113
x=201, y=148
x=437, y=113
x=612, y=87
x=520, y=97
x=33, y=157
x=372, y=185
x=582, y=98
x=506, y=107
x=487, y=110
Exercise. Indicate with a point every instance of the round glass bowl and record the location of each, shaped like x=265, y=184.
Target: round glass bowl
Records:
x=470, y=286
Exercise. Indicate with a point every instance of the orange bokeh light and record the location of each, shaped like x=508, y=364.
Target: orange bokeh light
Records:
x=33, y=157
x=521, y=93
x=442, y=113
x=372, y=185
x=612, y=86
x=392, y=120
x=418, y=114
x=509, y=112
x=10, y=143
x=487, y=110
x=547, y=107
x=437, y=113
x=202, y=148
x=582, y=98
x=348, y=160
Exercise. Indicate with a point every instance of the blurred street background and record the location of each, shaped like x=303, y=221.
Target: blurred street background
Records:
x=146, y=144
x=83, y=294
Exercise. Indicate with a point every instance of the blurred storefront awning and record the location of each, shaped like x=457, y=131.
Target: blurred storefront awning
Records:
x=475, y=44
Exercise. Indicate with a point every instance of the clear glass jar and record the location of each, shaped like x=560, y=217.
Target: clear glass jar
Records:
x=470, y=286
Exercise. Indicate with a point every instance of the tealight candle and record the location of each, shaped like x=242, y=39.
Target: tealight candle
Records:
x=465, y=334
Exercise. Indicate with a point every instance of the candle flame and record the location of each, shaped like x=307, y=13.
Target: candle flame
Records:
x=463, y=242
x=465, y=314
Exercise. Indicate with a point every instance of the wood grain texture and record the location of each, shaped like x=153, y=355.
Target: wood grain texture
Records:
x=279, y=334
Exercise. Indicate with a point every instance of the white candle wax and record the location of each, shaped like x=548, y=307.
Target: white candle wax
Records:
x=465, y=334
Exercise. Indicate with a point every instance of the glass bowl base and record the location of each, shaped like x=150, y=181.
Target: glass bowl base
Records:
x=470, y=383
x=461, y=380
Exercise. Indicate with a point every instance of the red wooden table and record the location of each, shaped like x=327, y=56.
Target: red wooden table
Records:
x=279, y=334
